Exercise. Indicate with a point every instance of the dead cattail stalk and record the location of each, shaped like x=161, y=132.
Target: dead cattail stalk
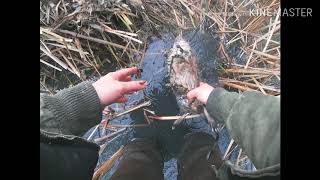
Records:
x=242, y=88
x=224, y=81
x=96, y=40
x=105, y=167
x=252, y=71
x=62, y=64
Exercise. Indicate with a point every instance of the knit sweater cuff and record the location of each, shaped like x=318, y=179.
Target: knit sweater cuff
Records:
x=77, y=108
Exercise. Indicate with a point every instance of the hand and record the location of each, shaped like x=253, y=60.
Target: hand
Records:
x=114, y=86
x=200, y=93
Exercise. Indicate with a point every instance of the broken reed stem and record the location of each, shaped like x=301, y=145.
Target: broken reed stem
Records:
x=228, y=81
x=109, y=135
x=265, y=54
x=127, y=126
x=50, y=65
x=95, y=129
x=252, y=71
x=147, y=103
x=53, y=57
x=238, y=158
x=236, y=86
x=228, y=149
x=146, y=117
x=102, y=147
x=50, y=92
x=96, y=40
x=105, y=167
x=258, y=84
x=171, y=118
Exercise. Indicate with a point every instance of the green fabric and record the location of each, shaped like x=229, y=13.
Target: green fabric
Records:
x=71, y=111
x=141, y=160
x=228, y=171
x=253, y=121
x=66, y=157
x=199, y=157
x=63, y=117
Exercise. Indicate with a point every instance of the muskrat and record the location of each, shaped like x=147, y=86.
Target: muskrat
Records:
x=183, y=76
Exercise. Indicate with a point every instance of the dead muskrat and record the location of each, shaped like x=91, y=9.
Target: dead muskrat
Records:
x=183, y=74
x=183, y=77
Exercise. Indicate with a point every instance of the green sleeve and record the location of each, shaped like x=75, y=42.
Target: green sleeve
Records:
x=253, y=121
x=70, y=111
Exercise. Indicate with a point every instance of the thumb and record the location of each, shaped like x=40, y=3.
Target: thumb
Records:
x=192, y=95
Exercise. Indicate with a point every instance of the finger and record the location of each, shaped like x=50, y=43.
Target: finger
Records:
x=202, y=83
x=133, y=86
x=192, y=95
x=125, y=79
x=125, y=72
x=122, y=99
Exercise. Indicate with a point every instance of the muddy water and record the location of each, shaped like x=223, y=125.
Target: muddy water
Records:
x=155, y=71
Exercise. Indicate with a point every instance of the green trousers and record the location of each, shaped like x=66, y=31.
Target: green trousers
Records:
x=142, y=159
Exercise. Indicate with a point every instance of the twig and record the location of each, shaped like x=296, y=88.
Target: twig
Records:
x=54, y=67
x=73, y=66
x=109, y=135
x=127, y=126
x=95, y=129
x=178, y=121
x=51, y=93
x=251, y=71
x=62, y=64
x=186, y=6
x=146, y=116
x=272, y=31
x=105, y=167
x=147, y=103
x=102, y=147
x=226, y=81
x=228, y=149
x=96, y=40
x=238, y=158
x=170, y=118
x=259, y=86
x=237, y=86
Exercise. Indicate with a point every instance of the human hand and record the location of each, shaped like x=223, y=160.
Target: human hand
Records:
x=114, y=86
x=200, y=93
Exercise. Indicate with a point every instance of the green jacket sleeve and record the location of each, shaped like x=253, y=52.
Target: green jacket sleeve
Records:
x=253, y=121
x=70, y=111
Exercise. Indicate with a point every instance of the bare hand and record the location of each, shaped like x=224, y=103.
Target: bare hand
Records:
x=200, y=93
x=114, y=86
